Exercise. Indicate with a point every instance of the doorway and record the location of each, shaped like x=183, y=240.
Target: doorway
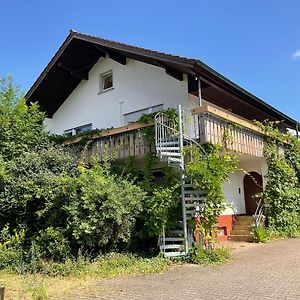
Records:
x=252, y=186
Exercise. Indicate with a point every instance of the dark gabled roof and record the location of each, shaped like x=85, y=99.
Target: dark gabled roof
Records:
x=80, y=52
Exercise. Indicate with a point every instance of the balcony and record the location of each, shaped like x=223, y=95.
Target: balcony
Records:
x=205, y=124
x=117, y=143
x=211, y=124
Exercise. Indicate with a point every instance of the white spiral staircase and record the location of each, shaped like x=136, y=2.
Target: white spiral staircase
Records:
x=170, y=141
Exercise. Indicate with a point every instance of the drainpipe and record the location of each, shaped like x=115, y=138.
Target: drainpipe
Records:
x=199, y=91
x=121, y=113
x=297, y=130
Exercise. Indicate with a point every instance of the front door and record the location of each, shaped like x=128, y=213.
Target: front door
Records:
x=252, y=186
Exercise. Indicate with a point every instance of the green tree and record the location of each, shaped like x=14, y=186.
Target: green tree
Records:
x=21, y=125
x=44, y=192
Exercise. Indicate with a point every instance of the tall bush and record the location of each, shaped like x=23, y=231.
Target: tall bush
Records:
x=102, y=209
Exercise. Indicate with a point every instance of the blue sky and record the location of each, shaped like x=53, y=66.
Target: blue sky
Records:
x=255, y=43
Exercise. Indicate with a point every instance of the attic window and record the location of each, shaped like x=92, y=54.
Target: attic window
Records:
x=106, y=81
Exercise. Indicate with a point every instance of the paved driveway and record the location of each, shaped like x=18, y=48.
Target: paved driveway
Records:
x=266, y=271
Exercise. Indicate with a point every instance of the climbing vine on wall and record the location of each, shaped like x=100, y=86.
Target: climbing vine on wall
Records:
x=208, y=170
x=282, y=193
x=149, y=132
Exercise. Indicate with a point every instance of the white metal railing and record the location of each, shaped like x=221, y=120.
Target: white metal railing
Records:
x=166, y=135
x=259, y=213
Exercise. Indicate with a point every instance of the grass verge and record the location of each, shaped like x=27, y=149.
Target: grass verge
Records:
x=58, y=279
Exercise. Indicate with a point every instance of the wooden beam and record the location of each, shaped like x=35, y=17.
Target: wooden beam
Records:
x=170, y=71
x=92, y=49
x=84, y=75
x=83, y=68
x=174, y=73
x=199, y=91
x=121, y=59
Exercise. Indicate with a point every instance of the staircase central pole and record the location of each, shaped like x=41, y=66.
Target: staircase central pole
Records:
x=182, y=178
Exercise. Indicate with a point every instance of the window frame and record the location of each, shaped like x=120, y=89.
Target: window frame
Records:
x=73, y=131
x=147, y=110
x=101, y=81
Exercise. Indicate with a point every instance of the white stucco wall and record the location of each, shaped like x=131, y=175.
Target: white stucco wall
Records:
x=234, y=189
x=136, y=86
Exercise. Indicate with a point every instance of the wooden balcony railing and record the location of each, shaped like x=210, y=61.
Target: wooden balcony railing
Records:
x=214, y=125
x=117, y=143
x=206, y=124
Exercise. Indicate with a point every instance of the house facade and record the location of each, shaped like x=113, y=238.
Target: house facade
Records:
x=93, y=83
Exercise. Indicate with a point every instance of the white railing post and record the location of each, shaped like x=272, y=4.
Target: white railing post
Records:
x=182, y=177
x=164, y=240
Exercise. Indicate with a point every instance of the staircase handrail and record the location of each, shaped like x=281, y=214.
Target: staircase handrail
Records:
x=169, y=132
x=259, y=212
x=185, y=136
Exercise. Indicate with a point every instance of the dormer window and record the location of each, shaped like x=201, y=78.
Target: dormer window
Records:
x=106, y=81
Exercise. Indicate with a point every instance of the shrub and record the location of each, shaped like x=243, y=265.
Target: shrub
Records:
x=261, y=234
x=159, y=207
x=102, y=209
x=198, y=255
x=11, y=248
x=52, y=244
x=287, y=223
x=21, y=125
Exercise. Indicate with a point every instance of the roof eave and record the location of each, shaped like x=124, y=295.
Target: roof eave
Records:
x=199, y=65
x=50, y=64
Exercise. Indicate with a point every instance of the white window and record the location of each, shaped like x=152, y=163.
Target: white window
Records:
x=69, y=132
x=78, y=130
x=106, y=81
x=83, y=128
x=135, y=115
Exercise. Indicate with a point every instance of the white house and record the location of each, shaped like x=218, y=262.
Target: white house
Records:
x=96, y=83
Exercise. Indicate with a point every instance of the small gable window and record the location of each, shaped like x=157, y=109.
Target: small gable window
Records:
x=106, y=81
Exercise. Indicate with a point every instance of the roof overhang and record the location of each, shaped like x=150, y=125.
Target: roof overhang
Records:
x=79, y=53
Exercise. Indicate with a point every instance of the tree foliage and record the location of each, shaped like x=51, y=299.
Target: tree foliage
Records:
x=161, y=205
x=103, y=208
x=60, y=206
x=21, y=127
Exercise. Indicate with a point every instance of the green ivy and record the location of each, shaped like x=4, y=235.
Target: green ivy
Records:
x=83, y=136
x=149, y=132
x=208, y=171
x=282, y=193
